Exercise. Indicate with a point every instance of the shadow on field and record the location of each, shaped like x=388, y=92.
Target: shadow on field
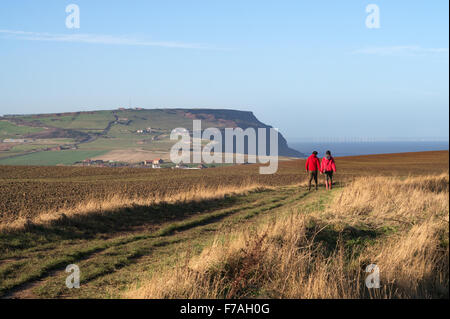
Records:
x=104, y=224
x=351, y=237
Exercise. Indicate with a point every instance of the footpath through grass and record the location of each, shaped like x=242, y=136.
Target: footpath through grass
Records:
x=117, y=250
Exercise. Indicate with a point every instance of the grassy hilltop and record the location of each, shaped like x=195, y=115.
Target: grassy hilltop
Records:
x=127, y=135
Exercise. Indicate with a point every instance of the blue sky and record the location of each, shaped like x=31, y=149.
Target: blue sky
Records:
x=310, y=68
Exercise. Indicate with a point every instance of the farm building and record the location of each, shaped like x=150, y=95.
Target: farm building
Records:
x=147, y=130
x=153, y=161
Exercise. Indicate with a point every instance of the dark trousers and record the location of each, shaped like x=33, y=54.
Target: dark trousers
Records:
x=312, y=175
x=329, y=175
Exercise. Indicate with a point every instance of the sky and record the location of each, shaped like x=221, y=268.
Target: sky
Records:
x=309, y=68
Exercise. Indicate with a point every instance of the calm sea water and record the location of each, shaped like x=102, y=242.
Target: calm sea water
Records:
x=349, y=149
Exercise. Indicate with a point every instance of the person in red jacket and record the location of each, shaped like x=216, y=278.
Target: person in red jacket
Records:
x=327, y=167
x=312, y=168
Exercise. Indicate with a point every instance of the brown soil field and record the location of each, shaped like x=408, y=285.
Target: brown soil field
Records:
x=29, y=191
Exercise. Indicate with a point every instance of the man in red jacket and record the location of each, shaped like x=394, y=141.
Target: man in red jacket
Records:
x=312, y=168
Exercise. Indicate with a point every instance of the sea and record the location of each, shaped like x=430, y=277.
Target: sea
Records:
x=368, y=148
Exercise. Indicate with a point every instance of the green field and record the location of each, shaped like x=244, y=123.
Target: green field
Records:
x=50, y=158
x=10, y=130
x=110, y=144
x=82, y=121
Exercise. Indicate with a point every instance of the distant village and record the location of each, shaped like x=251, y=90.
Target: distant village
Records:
x=154, y=163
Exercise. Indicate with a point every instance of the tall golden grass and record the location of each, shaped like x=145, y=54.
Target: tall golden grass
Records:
x=291, y=258
x=115, y=202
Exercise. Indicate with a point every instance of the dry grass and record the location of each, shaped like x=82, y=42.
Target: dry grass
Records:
x=378, y=200
x=400, y=225
x=115, y=202
x=415, y=264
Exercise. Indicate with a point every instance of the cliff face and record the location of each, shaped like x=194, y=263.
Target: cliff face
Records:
x=242, y=119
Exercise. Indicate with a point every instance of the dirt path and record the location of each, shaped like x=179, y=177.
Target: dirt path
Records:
x=119, y=261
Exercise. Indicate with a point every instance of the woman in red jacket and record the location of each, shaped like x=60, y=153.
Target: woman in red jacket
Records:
x=327, y=167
